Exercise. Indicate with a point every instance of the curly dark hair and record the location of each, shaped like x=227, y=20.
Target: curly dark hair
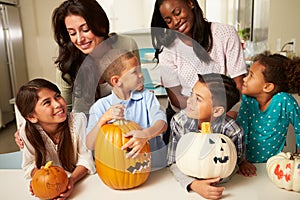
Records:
x=282, y=71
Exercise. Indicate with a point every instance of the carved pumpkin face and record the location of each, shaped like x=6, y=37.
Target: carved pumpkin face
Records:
x=284, y=171
x=115, y=170
x=49, y=182
x=206, y=155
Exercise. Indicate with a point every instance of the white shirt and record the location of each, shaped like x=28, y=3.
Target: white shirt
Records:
x=227, y=50
x=84, y=157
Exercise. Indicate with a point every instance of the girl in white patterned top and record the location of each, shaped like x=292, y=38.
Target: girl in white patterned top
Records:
x=187, y=44
x=51, y=134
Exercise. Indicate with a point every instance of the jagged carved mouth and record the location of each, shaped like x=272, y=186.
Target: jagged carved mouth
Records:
x=139, y=166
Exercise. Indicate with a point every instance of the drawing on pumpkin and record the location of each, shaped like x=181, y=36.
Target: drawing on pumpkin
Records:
x=113, y=167
x=220, y=159
x=209, y=146
x=286, y=173
x=139, y=166
x=50, y=181
x=56, y=187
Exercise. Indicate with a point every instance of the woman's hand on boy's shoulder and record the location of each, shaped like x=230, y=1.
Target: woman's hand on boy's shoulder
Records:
x=18, y=139
x=232, y=114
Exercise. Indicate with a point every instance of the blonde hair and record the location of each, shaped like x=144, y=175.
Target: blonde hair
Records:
x=113, y=63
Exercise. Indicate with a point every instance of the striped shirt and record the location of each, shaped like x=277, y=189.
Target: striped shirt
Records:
x=181, y=124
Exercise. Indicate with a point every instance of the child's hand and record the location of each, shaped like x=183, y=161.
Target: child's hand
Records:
x=207, y=189
x=114, y=112
x=68, y=192
x=247, y=169
x=117, y=111
x=136, y=143
x=30, y=188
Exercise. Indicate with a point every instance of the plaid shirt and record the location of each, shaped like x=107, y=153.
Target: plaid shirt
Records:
x=181, y=124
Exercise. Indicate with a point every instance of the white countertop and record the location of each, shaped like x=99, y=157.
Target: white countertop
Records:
x=160, y=185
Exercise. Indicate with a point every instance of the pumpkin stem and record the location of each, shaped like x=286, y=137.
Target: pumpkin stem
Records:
x=205, y=127
x=48, y=164
x=292, y=157
x=120, y=122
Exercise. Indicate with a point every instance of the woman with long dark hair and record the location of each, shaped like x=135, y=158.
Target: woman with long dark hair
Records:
x=80, y=27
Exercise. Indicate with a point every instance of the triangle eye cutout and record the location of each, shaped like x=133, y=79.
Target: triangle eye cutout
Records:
x=211, y=141
x=223, y=141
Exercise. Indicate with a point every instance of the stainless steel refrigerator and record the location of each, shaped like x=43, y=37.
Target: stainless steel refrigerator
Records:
x=13, y=70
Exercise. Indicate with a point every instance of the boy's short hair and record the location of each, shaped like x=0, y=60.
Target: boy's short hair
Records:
x=113, y=63
x=223, y=89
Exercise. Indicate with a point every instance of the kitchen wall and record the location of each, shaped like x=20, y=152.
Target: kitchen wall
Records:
x=284, y=23
x=121, y=16
x=223, y=11
x=41, y=49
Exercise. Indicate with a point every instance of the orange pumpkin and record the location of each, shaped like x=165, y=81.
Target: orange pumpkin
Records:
x=114, y=169
x=49, y=181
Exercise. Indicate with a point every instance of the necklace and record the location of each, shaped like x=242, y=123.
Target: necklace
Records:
x=55, y=138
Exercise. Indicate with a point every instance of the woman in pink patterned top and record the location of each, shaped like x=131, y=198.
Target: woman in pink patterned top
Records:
x=187, y=44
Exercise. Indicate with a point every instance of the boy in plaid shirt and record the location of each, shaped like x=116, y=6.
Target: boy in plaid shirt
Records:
x=213, y=95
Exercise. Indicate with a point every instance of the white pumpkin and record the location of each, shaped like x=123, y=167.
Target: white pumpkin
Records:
x=206, y=155
x=284, y=170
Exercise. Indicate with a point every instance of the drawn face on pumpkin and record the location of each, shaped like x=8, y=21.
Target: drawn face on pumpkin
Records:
x=284, y=170
x=214, y=149
x=142, y=162
x=113, y=167
x=206, y=155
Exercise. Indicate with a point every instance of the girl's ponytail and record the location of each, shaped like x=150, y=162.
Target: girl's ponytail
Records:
x=293, y=75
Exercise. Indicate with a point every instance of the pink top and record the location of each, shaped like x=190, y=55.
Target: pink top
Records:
x=227, y=50
x=179, y=64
